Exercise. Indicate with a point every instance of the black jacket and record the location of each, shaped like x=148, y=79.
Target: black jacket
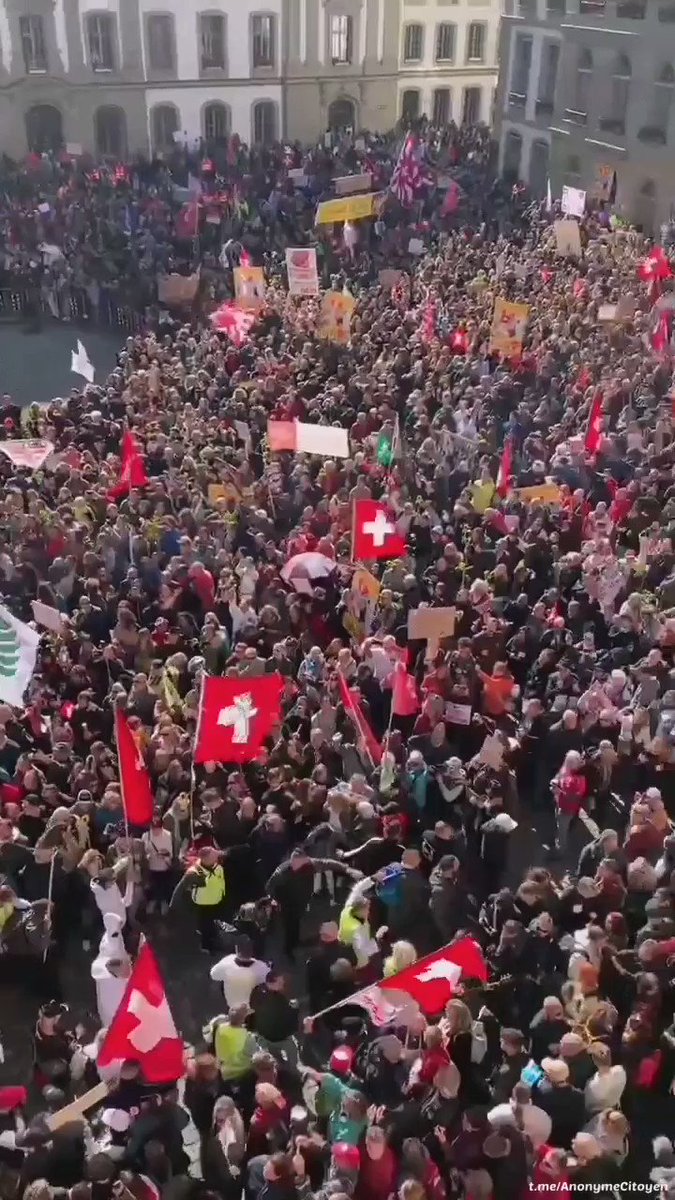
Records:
x=274, y=1017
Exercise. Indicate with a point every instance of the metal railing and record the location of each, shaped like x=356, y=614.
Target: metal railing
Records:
x=70, y=304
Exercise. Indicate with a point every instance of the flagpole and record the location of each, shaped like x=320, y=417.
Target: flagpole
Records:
x=50, y=888
x=193, y=773
x=121, y=774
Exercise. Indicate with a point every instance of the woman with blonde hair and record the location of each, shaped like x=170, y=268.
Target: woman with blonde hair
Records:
x=403, y=954
x=223, y=1150
x=457, y=1025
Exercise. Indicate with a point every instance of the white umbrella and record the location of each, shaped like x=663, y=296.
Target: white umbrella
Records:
x=302, y=568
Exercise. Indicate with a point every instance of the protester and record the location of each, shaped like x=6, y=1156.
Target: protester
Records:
x=393, y=721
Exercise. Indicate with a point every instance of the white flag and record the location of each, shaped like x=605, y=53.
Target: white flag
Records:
x=18, y=651
x=549, y=197
x=80, y=363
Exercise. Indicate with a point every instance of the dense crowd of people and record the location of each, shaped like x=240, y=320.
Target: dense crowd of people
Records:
x=523, y=798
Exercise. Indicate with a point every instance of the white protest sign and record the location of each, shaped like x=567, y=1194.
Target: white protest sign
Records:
x=573, y=202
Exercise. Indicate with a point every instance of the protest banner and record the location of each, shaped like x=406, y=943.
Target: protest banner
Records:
x=50, y=617
x=365, y=584
x=539, y=493
x=346, y=185
x=249, y=288
x=567, y=239
x=509, y=323
x=431, y=625
x=177, y=290
x=27, y=452
x=573, y=202
x=457, y=714
x=348, y=208
x=335, y=317
x=303, y=276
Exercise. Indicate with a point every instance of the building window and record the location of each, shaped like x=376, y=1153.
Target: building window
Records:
x=539, y=168
x=44, y=128
x=217, y=122
x=264, y=122
x=101, y=40
x=33, y=43
x=556, y=8
x=548, y=76
x=522, y=62
x=413, y=41
x=615, y=120
x=212, y=41
x=441, y=108
x=582, y=91
x=446, y=36
x=513, y=149
x=110, y=131
x=471, y=106
x=341, y=39
x=164, y=119
x=475, y=42
x=573, y=171
x=262, y=37
x=656, y=129
x=161, y=42
x=410, y=105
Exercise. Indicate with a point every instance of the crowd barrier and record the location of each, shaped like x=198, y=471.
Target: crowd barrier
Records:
x=71, y=304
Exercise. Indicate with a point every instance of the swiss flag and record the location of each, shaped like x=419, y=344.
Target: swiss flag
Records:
x=235, y=717
x=374, y=533
x=134, y=779
x=655, y=267
x=133, y=468
x=430, y=982
x=351, y=700
x=143, y=1029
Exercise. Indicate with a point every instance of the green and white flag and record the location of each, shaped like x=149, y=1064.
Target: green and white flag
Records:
x=18, y=651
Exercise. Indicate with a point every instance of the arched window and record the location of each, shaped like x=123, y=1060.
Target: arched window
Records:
x=656, y=129
x=44, y=128
x=583, y=82
x=264, y=122
x=342, y=114
x=615, y=120
x=513, y=149
x=645, y=207
x=165, y=122
x=110, y=131
x=410, y=104
x=217, y=121
x=539, y=167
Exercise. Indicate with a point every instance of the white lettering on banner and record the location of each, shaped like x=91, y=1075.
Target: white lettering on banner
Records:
x=379, y=529
x=238, y=717
x=155, y=1020
x=441, y=969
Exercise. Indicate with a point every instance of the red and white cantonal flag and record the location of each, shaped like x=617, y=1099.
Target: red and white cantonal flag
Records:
x=27, y=452
x=143, y=1029
x=236, y=716
x=425, y=986
x=374, y=533
x=233, y=321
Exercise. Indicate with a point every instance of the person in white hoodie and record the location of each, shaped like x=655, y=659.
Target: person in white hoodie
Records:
x=107, y=894
x=604, y=1089
x=111, y=968
x=239, y=973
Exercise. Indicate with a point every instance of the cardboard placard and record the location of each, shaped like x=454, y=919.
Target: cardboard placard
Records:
x=50, y=617
x=492, y=751
x=416, y=247
x=303, y=275
x=625, y=309
x=335, y=317
x=249, y=288
x=346, y=185
x=216, y=492
x=457, y=714
x=539, y=493
x=75, y=1110
x=349, y=208
x=176, y=290
x=567, y=239
x=607, y=313
x=509, y=323
x=365, y=584
x=573, y=202
x=430, y=625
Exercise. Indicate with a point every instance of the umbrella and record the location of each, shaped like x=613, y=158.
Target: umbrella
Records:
x=300, y=569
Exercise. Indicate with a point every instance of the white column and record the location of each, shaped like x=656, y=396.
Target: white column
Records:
x=363, y=30
x=322, y=32
x=302, y=19
x=533, y=82
x=380, y=31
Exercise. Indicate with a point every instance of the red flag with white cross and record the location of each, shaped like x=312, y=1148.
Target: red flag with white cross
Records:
x=236, y=716
x=374, y=533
